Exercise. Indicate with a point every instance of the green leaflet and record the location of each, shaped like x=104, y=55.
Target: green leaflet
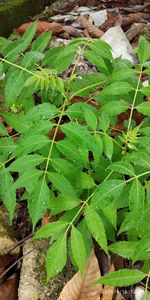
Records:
x=123, y=74
x=12, y=50
x=122, y=167
x=124, y=249
x=70, y=150
x=96, y=227
x=85, y=181
x=123, y=277
x=117, y=88
x=114, y=108
x=78, y=248
x=18, y=121
x=103, y=121
x=90, y=119
x=142, y=250
x=50, y=229
x=95, y=59
x=82, y=227
x=41, y=42
x=62, y=203
x=62, y=184
x=77, y=110
x=139, y=158
x=31, y=143
x=108, y=146
x=42, y=111
x=144, y=223
x=14, y=85
x=26, y=162
x=86, y=84
x=130, y=222
x=143, y=50
x=137, y=196
x=3, y=130
x=53, y=57
x=144, y=107
x=30, y=59
x=38, y=201
x=7, y=192
x=28, y=179
x=56, y=257
x=7, y=146
x=106, y=192
x=101, y=48
x=78, y=134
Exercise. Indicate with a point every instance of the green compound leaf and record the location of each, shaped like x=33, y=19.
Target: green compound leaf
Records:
x=123, y=277
x=78, y=248
x=96, y=227
x=56, y=257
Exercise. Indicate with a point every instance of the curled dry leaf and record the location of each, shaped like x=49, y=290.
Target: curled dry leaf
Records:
x=42, y=26
x=72, y=31
x=84, y=287
x=92, y=29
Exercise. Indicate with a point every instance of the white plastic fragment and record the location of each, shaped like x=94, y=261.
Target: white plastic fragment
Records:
x=116, y=38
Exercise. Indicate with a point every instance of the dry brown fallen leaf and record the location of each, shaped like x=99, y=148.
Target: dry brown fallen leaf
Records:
x=42, y=26
x=8, y=289
x=83, y=287
x=94, y=31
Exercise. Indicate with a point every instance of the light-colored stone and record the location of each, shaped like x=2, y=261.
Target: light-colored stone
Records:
x=116, y=38
x=7, y=239
x=99, y=17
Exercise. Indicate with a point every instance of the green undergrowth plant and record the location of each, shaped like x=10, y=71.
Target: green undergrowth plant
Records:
x=80, y=148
